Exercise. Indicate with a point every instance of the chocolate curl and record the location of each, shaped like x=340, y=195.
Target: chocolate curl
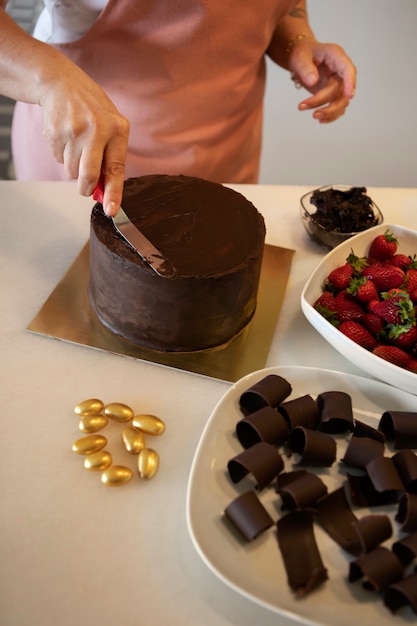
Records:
x=406, y=463
x=249, y=515
x=353, y=535
x=407, y=512
x=400, y=427
x=361, y=450
x=262, y=460
x=380, y=568
x=371, y=530
x=299, y=551
x=406, y=549
x=336, y=412
x=263, y=425
x=316, y=448
x=384, y=477
x=336, y=517
x=363, y=493
x=301, y=492
x=270, y=391
x=302, y=411
x=361, y=429
x=402, y=593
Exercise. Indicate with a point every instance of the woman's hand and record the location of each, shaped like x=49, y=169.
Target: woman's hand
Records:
x=328, y=73
x=85, y=132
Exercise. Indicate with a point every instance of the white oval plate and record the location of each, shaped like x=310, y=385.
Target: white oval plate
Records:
x=368, y=362
x=255, y=569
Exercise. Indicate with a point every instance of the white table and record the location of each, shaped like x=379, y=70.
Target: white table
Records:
x=74, y=552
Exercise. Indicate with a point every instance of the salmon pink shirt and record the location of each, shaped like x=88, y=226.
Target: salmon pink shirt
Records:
x=188, y=74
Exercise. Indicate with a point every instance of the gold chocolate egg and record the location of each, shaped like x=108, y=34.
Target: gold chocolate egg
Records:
x=89, y=407
x=92, y=423
x=116, y=475
x=148, y=463
x=133, y=439
x=89, y=444
x=118, y=412
x=98, y=461
x=149, y=424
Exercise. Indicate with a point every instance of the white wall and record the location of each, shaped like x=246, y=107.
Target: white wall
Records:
x=375, y=142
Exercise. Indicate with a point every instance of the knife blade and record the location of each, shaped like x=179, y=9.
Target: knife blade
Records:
x=136, y=239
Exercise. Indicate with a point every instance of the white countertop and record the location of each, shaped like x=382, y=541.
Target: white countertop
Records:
x=74, y=552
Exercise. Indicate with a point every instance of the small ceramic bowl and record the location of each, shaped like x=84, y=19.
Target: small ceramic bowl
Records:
x=334, y=213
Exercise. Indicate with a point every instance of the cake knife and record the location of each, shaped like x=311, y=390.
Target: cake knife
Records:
x=136, y=239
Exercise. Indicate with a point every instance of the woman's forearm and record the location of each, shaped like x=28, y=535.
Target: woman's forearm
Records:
x=293, y=28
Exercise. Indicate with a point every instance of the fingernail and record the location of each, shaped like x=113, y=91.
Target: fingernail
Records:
x=111, y=209
x=310, y=79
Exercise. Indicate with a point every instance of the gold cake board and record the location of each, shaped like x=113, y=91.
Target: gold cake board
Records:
x=66, y=315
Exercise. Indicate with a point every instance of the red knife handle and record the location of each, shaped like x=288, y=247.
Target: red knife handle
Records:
x=98, y=193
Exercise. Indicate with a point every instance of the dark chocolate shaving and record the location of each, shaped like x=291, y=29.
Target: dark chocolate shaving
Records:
x=249, y=515
x=406, y=463
x=314, y=447
x=400, y=427
x=354, y=535
x=406, y=548
x=299, y=551
x=407, y=512
x=270, y=391
x=301, y=492
x=336, y=413
x=360, y=429
x=302, y=411
x=266, y=424
x=363, y=493
x=261, y=460
x=402, y=593
x=384, y=476
x=372, y=530
x=361, y=450
x=379, y=568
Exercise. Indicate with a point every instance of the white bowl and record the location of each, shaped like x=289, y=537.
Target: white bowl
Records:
x=362, y=358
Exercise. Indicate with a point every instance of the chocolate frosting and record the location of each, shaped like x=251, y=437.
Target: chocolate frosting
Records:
x=212, y=235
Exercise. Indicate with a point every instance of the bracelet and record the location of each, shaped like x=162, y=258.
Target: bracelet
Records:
x=296, y=39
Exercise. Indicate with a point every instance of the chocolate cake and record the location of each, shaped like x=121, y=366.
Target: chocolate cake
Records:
x=214, y=239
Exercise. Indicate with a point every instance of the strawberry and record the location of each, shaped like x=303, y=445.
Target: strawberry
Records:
x=362, y=289
x=326, y=306
x=413, y=296
x=358, y=333
x=374, y=323
x=411, y=365
x=400, y=260
x=326, y=301
x=339, y=278
x=403, y=337
x=383, y=247
x=347, y=308
x=384, y=276
x=395, y=310
x=410, y=280
x=392, y=354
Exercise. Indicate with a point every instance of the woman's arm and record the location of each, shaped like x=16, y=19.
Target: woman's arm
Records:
x=84, y=130
x=324, y=69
